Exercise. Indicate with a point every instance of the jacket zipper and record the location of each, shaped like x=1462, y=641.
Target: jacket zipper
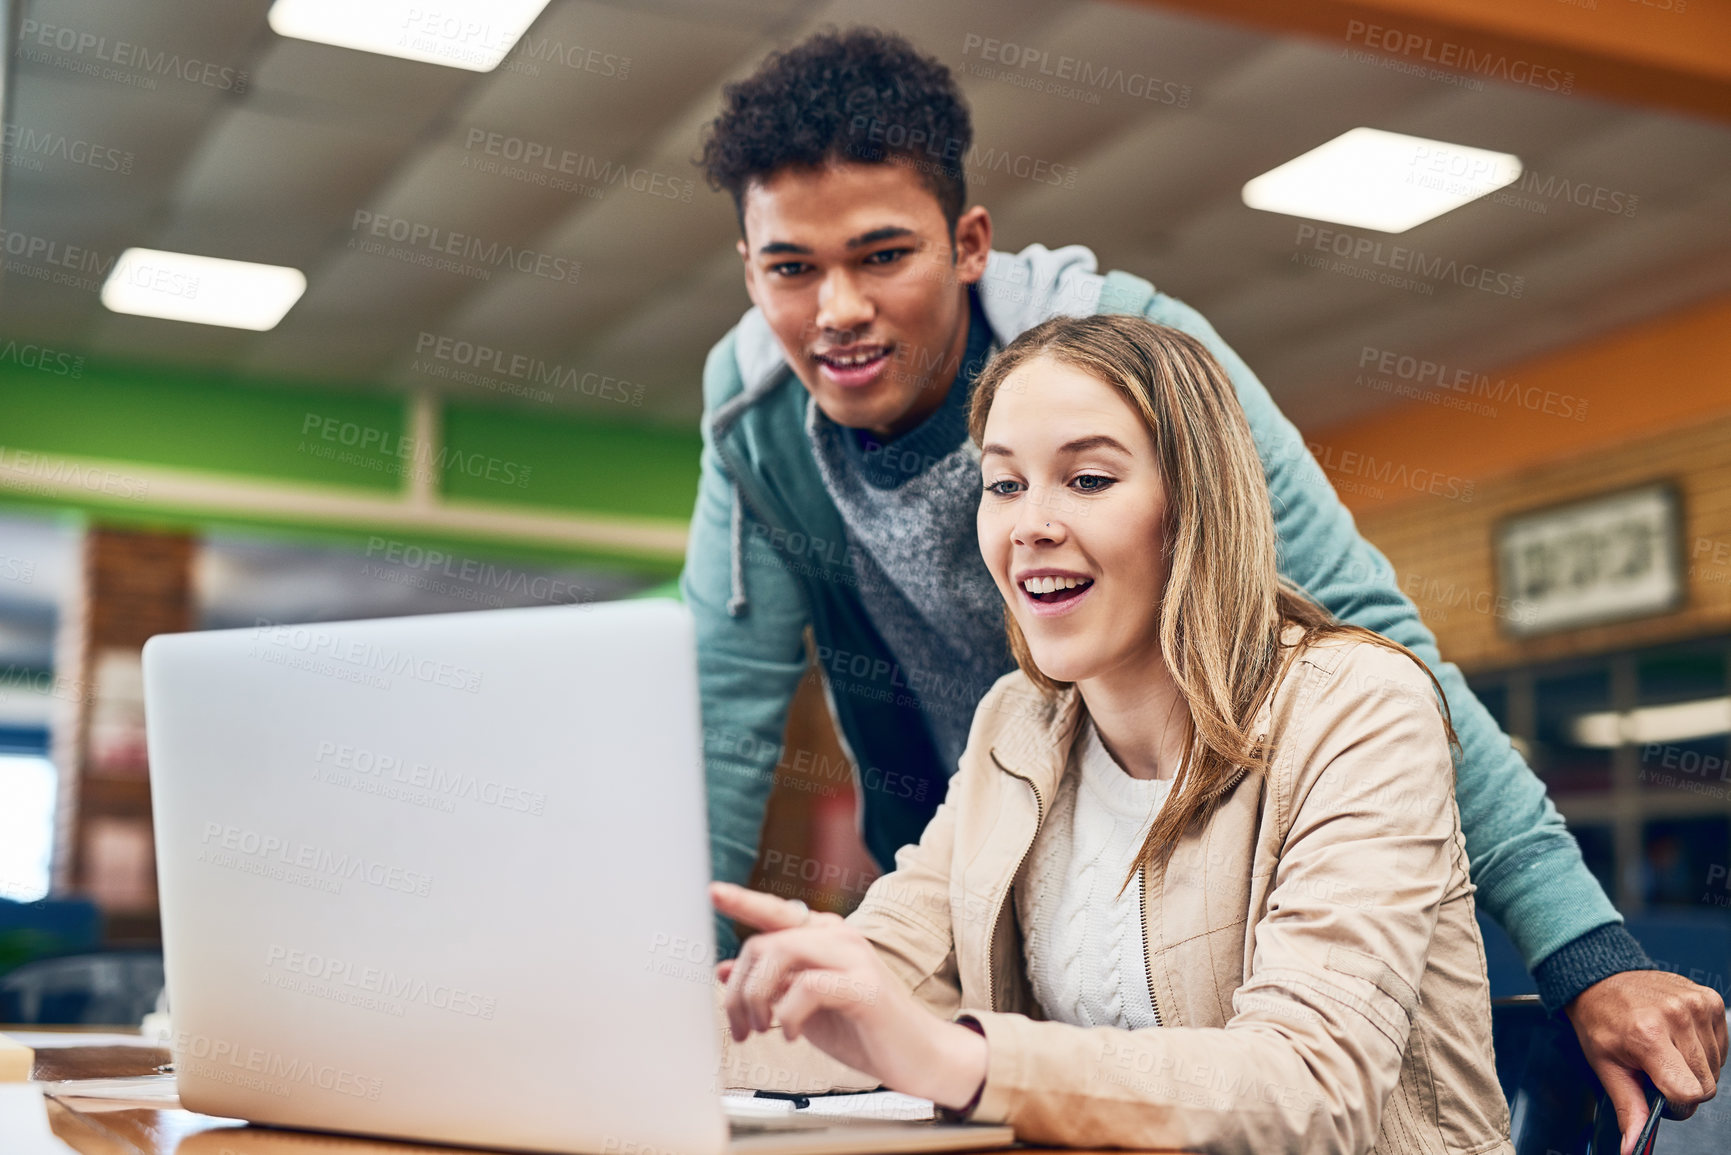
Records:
x=1147, y=960
x=992, y=932
x=1142, y=903
x=1226, y=785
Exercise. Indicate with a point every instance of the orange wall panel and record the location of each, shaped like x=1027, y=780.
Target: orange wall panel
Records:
x=1663, y=374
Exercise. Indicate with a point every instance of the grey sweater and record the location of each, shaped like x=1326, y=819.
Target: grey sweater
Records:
x=908, y=506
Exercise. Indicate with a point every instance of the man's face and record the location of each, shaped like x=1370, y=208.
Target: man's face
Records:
x=851, y=265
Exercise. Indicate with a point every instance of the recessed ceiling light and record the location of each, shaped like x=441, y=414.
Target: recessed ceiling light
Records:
x=1681, y=722
x=472, y=34
x=208, y=290
x=1381, y=180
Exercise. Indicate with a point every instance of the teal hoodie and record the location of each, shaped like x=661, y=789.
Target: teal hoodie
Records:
x=768, y=557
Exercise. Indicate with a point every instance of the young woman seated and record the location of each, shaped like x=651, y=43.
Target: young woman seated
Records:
x=1199, y=880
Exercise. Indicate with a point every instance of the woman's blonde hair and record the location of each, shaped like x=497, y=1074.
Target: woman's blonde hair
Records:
x=1225, y=603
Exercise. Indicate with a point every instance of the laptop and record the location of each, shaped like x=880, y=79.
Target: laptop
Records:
x=444, y=878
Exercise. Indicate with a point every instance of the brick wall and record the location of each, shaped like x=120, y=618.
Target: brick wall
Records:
x=138, y=584
x=135, y=584
x=1442, y=548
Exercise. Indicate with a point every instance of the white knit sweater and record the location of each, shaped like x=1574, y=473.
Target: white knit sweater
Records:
x=1082, y=945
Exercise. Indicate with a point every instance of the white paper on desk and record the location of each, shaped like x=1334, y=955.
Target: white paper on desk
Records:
x=51, y=1040
x=873, y=1105
x=865, y=1105
x=143, y=1088
x=24, y=1122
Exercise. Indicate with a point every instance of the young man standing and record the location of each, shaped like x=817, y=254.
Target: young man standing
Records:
x=839, y=491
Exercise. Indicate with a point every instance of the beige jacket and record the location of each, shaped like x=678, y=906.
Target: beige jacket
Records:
x=1312, y=950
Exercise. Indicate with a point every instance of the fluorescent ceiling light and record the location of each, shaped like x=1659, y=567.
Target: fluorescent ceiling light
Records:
x=208, y=290
x=472, y=34
x=1676, y=723
x=1381, y=180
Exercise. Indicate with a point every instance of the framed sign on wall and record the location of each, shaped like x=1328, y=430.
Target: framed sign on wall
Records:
x=1605, y=559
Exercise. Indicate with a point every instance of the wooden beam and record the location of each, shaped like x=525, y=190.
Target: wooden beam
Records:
x=79, y=481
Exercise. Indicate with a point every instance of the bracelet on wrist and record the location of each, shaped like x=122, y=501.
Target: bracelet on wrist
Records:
x=961, y=1114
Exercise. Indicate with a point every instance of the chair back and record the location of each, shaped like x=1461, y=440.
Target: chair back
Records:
x=110, y=988
x=1557, y=1106
x=50, y=926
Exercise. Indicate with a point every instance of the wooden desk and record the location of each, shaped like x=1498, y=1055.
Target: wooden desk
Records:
x=91, y=1131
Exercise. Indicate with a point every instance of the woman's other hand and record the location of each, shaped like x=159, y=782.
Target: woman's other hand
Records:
x=814, y=975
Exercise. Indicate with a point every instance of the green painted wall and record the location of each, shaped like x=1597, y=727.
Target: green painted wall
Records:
x=568, y=463
x=545, y=461
x=190, y=422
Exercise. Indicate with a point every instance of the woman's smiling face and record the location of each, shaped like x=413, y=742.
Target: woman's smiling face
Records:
x=1072, y=520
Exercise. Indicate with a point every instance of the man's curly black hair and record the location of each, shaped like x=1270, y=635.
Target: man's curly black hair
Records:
x=861, y=95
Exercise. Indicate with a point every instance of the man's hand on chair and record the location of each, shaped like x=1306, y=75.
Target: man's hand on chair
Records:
x=1653, y=1023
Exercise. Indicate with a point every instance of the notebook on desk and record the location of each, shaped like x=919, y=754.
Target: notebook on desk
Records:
x=439, y=878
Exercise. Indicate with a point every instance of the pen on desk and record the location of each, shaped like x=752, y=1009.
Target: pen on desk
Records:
x=799, y=1101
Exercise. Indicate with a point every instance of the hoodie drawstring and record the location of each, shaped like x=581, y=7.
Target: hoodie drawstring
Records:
x=737, y=603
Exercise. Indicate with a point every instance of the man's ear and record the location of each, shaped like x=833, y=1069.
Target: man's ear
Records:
x=750, y=273
x=973, y=244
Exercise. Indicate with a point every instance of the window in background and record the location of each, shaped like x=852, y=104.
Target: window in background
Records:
x=1680, y=675
x=1689, y=763
x=1679, y=860
x=39, y=566
x=1495, y=698
x=1599, y=851
x=27, y=787
x=1566, y=766
x=241, y=578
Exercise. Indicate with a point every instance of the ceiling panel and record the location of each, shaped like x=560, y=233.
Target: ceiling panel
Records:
x=271, y=152
x=602, y=78
x=299, y=77
x=272, y=188
x=217, y=32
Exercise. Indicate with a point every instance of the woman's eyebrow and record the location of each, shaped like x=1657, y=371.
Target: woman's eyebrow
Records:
x=1079, y=445
x=1096, y=441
